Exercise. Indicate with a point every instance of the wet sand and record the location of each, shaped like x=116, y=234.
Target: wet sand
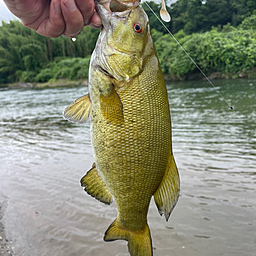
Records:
x=4, y=248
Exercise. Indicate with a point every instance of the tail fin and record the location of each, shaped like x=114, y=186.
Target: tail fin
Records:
x=139, y=241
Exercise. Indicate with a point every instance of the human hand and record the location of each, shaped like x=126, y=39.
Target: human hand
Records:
x=53, y=18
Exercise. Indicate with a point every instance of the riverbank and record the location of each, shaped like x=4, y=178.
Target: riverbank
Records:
x=168, y=78
x=51, y=84
x=193, y=76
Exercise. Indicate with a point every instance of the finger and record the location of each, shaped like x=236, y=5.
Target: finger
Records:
x=28, y=11
x=73, y=18
x=54, y=26
x=86, y=8
x=96, y=20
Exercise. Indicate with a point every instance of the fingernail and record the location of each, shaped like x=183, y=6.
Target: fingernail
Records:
x=73, y=37
x=97, y=23
x=70, y=5
x=95, y=26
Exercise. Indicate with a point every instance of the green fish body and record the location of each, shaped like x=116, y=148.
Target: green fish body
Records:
x=129, y=112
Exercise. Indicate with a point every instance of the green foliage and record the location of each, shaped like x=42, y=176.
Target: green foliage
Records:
x=249, y=23
x=228, y=51
x=220, y=35
x=44, y=75
x=65, y=68
x=27, y=76
x=27, y=56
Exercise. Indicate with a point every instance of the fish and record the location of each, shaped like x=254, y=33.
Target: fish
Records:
x=128, y=109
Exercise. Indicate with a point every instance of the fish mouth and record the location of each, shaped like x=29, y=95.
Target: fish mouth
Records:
x=115, y=6
x=110, y=10
x=118, y=3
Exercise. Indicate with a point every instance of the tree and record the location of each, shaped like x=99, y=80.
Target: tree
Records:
x=200, y=15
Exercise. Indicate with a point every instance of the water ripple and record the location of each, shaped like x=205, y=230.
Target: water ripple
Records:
x=43, y=158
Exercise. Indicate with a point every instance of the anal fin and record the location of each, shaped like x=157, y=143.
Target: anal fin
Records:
x=80, y=110
x=167, y=193
x=95, y=186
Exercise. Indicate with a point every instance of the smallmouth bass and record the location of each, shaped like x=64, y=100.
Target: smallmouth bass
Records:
x=128, y=107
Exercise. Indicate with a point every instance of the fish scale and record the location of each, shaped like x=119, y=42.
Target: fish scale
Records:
x=147, y=159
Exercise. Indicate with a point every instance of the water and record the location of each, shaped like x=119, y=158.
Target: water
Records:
x=43, y=157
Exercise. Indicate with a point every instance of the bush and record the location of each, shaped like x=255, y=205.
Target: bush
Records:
x=228, y=51
x=65, y=68
x=44, y=76
x=28, y=76
x=249, y=23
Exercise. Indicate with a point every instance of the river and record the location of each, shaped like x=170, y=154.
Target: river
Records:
x=43, y=157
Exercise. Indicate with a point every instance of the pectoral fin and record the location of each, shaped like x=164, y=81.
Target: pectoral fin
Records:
x=167, y=193
x=80, y=110
x=112, y=107
x=95, y=186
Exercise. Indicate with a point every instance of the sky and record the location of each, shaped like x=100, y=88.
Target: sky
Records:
x=6, y=15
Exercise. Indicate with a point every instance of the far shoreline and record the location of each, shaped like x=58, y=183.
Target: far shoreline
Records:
x=249, y=74
x=51, y=84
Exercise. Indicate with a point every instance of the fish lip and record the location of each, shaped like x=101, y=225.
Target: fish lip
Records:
x=104, y=3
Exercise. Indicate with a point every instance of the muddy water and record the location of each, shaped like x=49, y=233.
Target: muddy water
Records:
x=43, y=157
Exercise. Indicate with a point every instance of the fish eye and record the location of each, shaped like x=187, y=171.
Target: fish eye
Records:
x=137, y=28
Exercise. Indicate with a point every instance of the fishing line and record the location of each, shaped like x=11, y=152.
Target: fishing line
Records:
x=189, y=57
